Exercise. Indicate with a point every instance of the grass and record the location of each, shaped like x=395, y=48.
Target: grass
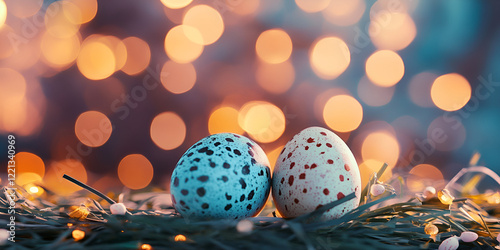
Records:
x=385, y=222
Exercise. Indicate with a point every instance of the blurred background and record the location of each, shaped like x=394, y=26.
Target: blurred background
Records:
x=113, y=92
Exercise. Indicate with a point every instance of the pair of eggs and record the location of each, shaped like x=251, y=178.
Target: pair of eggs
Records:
x=228, y=176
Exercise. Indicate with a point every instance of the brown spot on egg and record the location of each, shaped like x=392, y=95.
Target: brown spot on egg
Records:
x=341, y=177
x=290, y=180
x=313, y=166
x=319, y=206
x=304, y=190
x=329, y=145
x=326, y=191
x=330, y=161
x=340, y=195
x=296, y=201
x=310, y=140
x=347, y=168
x=282, y=151
x=306, y=166
x=292, y=165
x=323, y=133
x=306, y=148
x=302, y=176
x=289, y=155
x=318, y=145
x=282, y=180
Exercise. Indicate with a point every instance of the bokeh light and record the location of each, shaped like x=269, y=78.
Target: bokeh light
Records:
x=450, y=92
x=23, y=8
x=118, y=47
x=274, y=46
x=275, y=78
x=392, y=30
x=246, y=7
x=381, y=146
x=93, y=128
x=178, y=78
x=80, y=11
x=385, y=68
x=58, y=23
x=60, y=52
x=96, y=60
x=26, y=178
x=344, y=12
x=176, y=4
x=420, y=89
x=424, y=175
x=207, y=21
x=138, y=55
x=54, y=178
x=168, y=130
x=12, y=87
x=6, y=45
x=3, y=13
x=329, y=57
x=262, y=120
x=29, y=163
x=446, y=133
x=374, y=95
x=135, y=171
x=312, y=6
x=224, y=120
x=179, y=44
x=343, y=113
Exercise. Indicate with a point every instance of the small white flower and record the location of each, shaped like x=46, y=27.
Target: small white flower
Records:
x=429, y=192
x=377, y=189
x=118, y=208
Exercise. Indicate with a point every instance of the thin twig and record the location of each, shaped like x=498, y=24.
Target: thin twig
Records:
x=88, y=188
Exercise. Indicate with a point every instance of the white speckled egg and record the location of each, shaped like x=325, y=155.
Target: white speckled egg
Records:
x=315, y=168
x=221, y=176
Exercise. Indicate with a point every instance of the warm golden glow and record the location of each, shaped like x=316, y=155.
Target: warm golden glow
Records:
x=138, y=55
x=29, y=163
x=168, y=130
x=28, y=178
x=431, y=229
x=180, y=237
x=34, y=190
x=96, y=61
x=118, y=47
x=60, y=52
x=262, y=120
x=274, y=46
x=176, y=4
x=381, y=146
x=385, y=68
x=342, y=113
x=3, y=13
x=58, y=23
x=207, y=21
x=424, y=175
x=445, y=197
x=93, y=128
x=78, y=234
x=178, y=78
x=244, y=8
x=275, y=78
x=224, y=120
x=6, y=45
x=344, y=12
x=12, y=86
x=374, y=95
x=146, y=247
x=80, y=11
x=329, y=57
x=135, y=171
x=179, y=44
x=450, y=92
x=370, y=167
x=312, y=6
x=53, y=179
x=392, y=30
x=24, y=8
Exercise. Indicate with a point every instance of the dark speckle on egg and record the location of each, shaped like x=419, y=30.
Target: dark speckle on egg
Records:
x=217, y=166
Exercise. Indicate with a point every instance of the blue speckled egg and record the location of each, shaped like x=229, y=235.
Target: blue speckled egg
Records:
x=221, y=176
